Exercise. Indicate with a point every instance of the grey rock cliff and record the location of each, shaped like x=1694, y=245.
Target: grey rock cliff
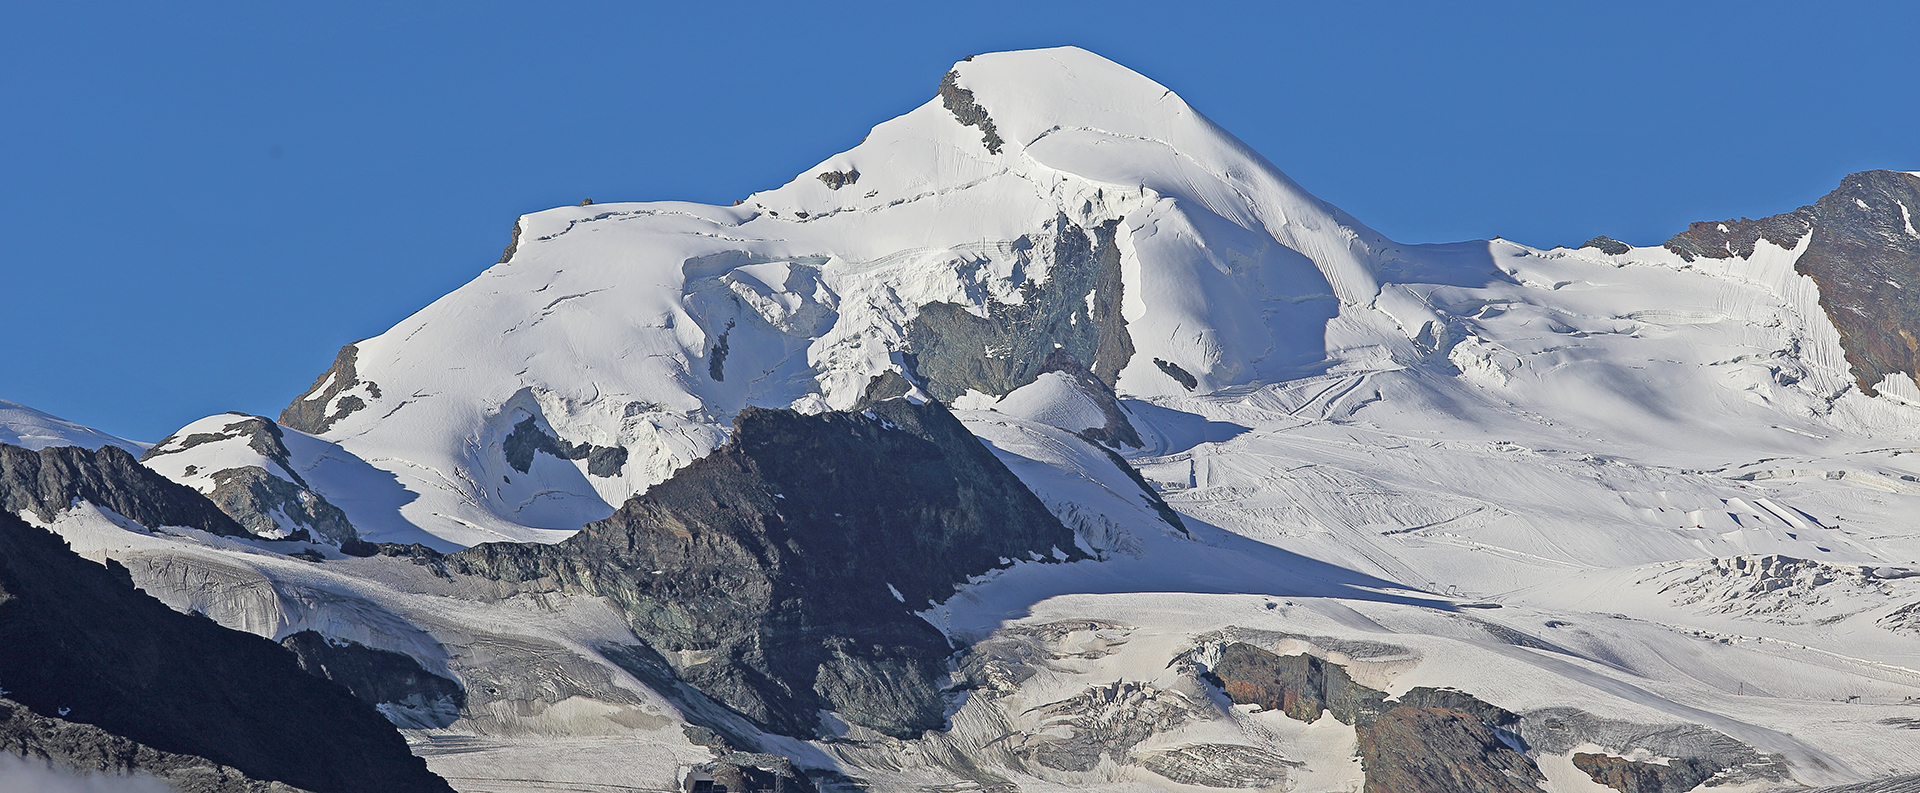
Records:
x=1077, y=309
x=48, y=481
x=1429, y=740
x=328, y=400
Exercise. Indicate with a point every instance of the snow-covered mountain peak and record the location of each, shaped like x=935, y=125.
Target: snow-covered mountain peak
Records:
x=1037, y=201
x=1097, y=141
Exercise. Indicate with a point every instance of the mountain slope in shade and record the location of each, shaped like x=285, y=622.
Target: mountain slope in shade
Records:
x=78, y=641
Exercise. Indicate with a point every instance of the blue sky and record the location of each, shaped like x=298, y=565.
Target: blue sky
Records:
x=204, y=202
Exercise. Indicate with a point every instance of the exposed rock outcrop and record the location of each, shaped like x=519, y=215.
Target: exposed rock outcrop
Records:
x=835, y=180
x=513, y=244
x=527, y=438
x=1633, y=776
x=1607, y=245
x=780, y=574
x=1439, y=750
x=79, y=642
x=1301, y=686
x=1427, y=739
x=1729, y=238
x=256, y=485
x=1179, y=375
x=331, y=398
x=1863, y=255
x=48, y=481
x=959, y=101
x=1076, y=309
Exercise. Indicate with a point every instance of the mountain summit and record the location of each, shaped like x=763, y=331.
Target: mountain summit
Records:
x=1040, y=199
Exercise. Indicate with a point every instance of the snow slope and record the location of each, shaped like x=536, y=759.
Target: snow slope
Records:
x=25, y=427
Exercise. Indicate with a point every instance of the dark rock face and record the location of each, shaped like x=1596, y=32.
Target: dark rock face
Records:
x=959, y=101
x=49, y=480
x=513, y=244
x=717, y=357
x=251, y=495
x=317, y=414
x=765, y=574
x=1729, y=238
x=77, y=636
x=1607, y=245
x=1439, y=749
x=395, y=684
x=947, y=339
x=84, y=747
x=835, y=180
x=1629, y=776
x=1429, y=739
x=1300, y=686
x=527, y=438
x=1864, y=255
x=1179, y=375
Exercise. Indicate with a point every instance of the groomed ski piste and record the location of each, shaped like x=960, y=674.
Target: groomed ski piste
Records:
x=1628, y=485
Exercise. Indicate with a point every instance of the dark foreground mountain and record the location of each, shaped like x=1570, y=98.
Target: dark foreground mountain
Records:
x=80, y=643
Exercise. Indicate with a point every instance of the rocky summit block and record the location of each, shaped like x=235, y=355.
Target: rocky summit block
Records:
x=780, y=574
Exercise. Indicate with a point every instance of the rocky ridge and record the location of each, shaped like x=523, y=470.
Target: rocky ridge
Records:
x=48, y=481
x=1076, y=310
x=1864, y=251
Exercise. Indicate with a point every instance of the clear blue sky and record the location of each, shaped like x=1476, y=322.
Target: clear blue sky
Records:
x=204, y=201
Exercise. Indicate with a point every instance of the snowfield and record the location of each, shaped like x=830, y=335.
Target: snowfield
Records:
x=1631, y=485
